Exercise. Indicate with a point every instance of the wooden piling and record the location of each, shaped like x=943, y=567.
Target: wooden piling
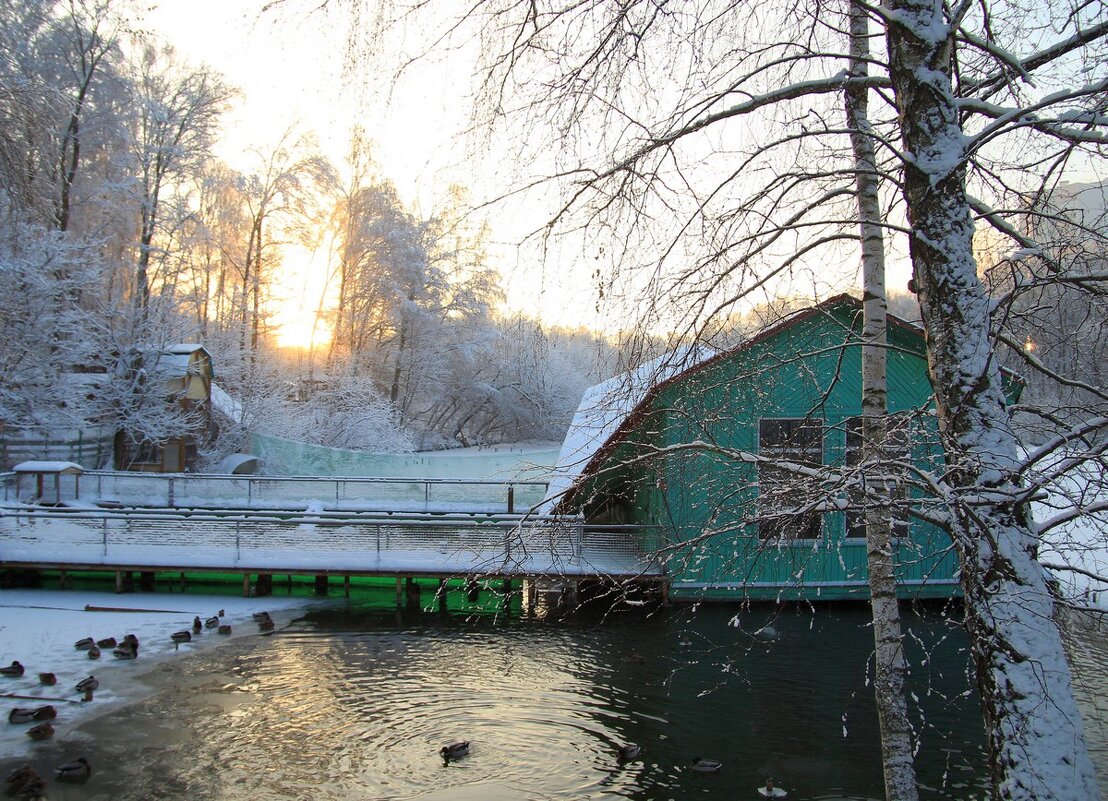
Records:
x=321, y=584
x=245, y=585
x=264, y=585
x=118, y=581
x=346, y=586
x=399, y=593
x=146, y=580
x=440, y=595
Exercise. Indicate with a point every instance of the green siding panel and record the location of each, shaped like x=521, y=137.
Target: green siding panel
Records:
x=703, y=499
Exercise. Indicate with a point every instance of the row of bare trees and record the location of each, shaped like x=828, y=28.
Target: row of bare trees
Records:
x=121, y=233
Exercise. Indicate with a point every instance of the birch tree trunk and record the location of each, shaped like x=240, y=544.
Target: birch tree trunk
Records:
x=1035, y=738
x=891, y=668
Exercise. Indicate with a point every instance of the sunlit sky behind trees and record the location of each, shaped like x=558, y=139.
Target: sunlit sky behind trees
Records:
x=325, y=73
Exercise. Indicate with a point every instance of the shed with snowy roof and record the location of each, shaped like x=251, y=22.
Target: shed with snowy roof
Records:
x=51, y=481
x=740, y=468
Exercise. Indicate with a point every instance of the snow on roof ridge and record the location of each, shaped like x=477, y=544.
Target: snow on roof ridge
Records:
x=605, y=406
x=46, y=466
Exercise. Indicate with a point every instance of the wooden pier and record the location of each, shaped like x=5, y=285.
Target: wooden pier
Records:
x=344, y=527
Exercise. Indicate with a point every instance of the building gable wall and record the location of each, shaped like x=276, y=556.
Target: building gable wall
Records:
x=684, y=470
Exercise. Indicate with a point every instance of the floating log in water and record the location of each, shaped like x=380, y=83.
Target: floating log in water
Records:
x=91, y=608
x=19, y=697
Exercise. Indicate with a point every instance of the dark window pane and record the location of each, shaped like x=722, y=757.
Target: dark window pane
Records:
x=793, y=440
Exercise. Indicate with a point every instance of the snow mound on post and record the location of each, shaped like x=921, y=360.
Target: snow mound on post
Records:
x=603, y=409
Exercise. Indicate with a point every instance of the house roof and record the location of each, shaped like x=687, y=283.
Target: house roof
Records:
x=589, y=455
x=605, y=406
x=184, y=348
x=176, y=360
x=47, y=466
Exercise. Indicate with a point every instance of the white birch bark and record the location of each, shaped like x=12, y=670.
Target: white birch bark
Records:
x=891, y=667
x=1035, y=738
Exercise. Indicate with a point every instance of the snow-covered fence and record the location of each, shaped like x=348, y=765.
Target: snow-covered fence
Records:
x=90, y=447
x=339, y=542
x=503, y=462
x=271, y=492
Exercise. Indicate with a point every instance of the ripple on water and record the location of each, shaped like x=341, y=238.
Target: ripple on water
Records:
x=349, y=708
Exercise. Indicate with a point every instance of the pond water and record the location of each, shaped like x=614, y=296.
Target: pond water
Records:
x=353, y=701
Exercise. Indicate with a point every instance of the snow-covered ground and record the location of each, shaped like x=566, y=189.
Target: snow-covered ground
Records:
x=39, y=628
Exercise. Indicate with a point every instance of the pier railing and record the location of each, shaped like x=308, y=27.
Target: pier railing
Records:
x=181, y=490
x=334, y=542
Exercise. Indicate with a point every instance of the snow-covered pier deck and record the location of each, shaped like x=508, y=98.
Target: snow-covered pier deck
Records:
x=351, y=527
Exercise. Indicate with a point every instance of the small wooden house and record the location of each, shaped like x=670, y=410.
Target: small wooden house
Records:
x=738, y=468
x=185, y=374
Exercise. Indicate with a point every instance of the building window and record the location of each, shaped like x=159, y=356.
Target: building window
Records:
x=897, y=454
x=785, y=499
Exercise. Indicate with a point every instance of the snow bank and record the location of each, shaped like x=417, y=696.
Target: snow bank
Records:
x=39, y=627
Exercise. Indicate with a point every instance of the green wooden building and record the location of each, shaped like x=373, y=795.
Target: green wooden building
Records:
x=694, y=458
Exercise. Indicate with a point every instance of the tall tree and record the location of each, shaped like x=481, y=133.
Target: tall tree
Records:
x=92, y=29
x=285, y=188
x=891, y=665
x=1025, y=682
x=178, y=110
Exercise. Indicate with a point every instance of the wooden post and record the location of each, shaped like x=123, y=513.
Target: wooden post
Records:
x=118, y=581
x=346, y=586
x=63, y=580
x=183, y=585
x=264, y=585
x=399, y=593
x=665, y=592
x=146, y=580
x=511, y=499
x=412, y=593
x=245, y=585
x=440, y=595
x=321, y=585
